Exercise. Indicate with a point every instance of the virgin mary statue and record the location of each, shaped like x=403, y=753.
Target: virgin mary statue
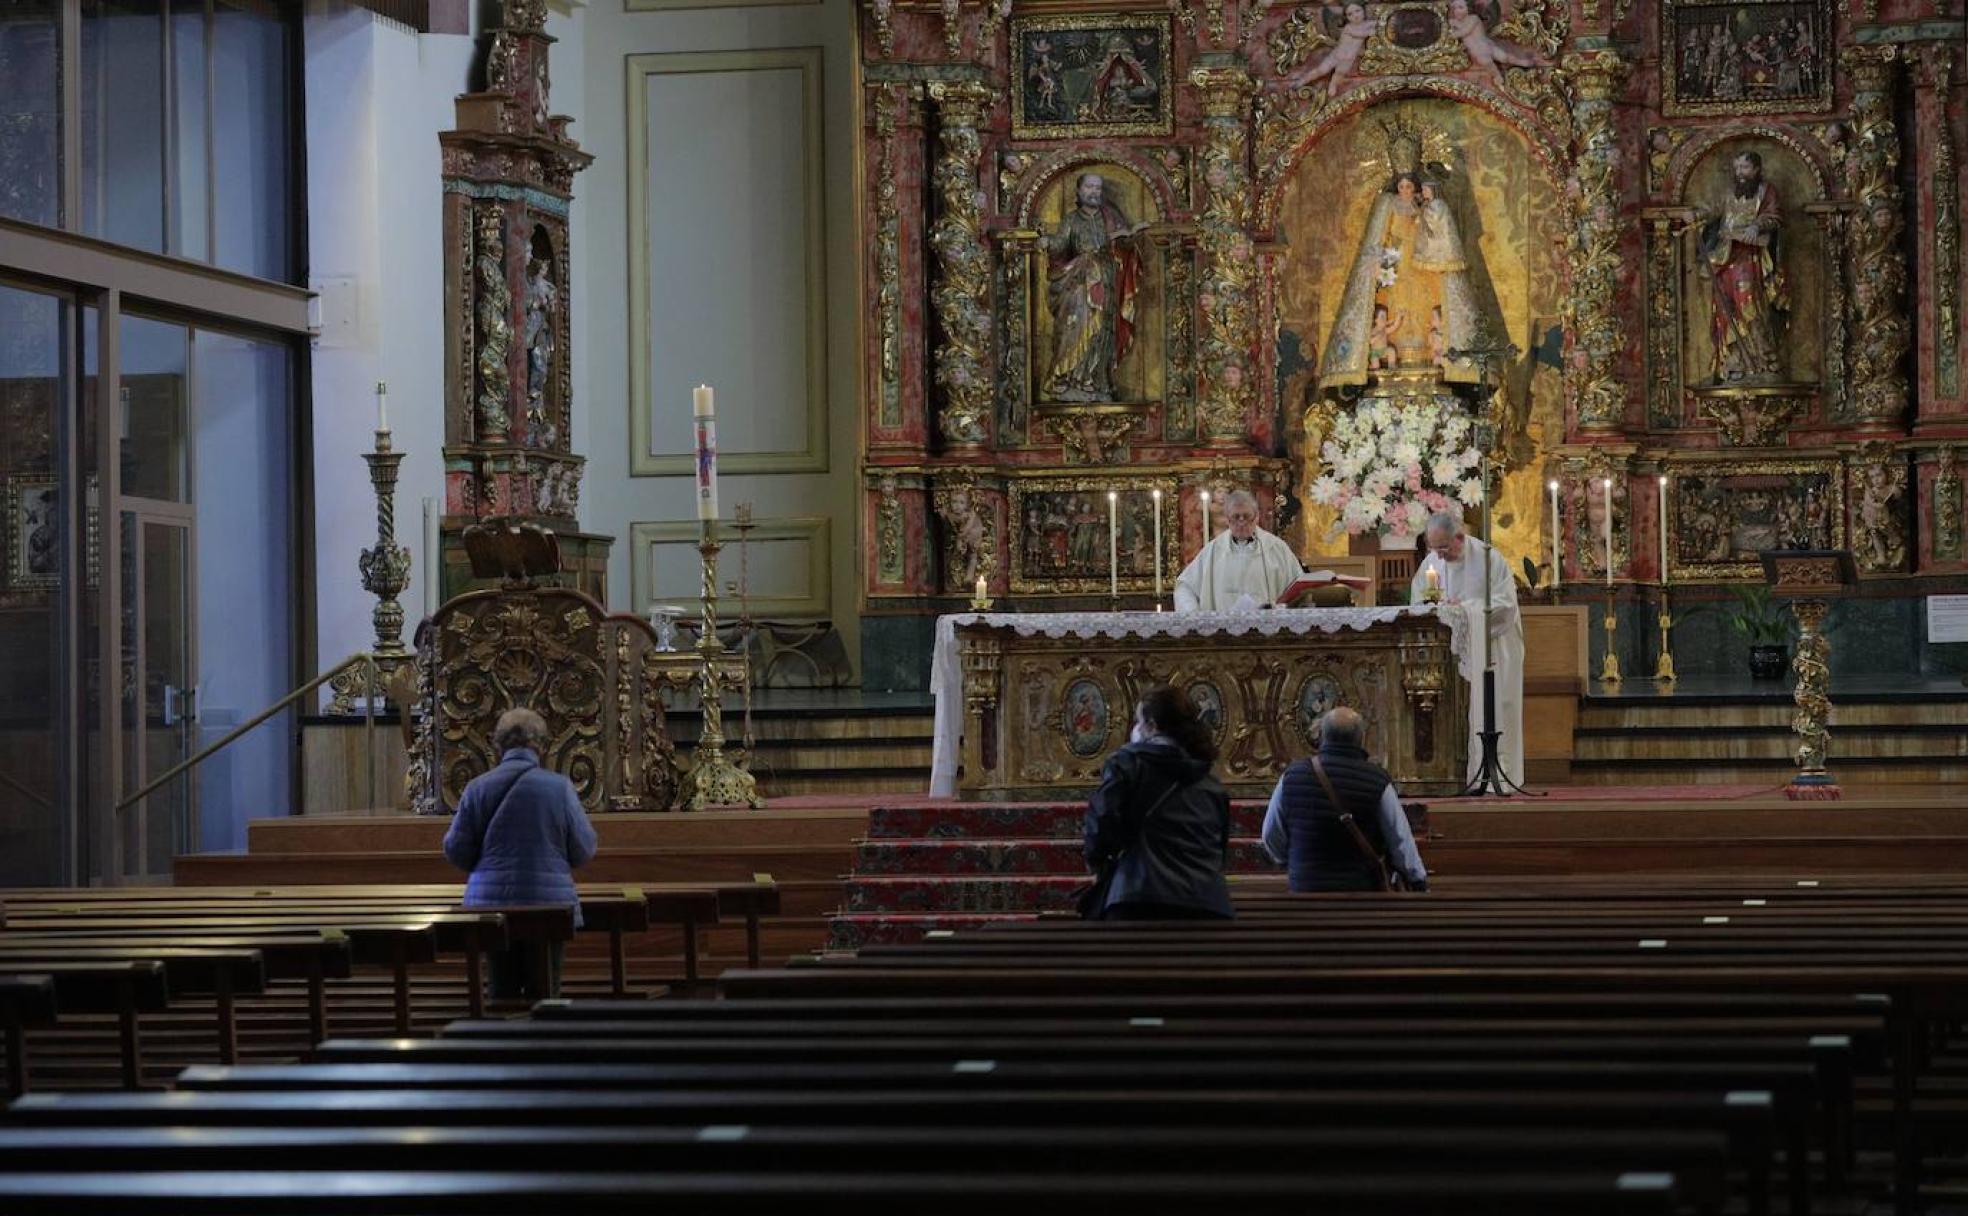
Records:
x=1408, y=300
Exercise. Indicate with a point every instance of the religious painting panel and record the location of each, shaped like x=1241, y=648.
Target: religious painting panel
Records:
x=1208, y=700
x=1320, y=692
x=30, y=507
x=1723, y=516
x=1066, y=529
x=1094, y=290
x=1753, y=273
x=1084, y=718
x=1480, y=229
x=1746, y=56
x=1089, y=76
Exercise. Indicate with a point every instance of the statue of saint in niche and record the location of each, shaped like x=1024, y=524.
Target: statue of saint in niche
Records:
x=1742, y=249
x=1408, y=300
x=541, y=301
x=1092, y=275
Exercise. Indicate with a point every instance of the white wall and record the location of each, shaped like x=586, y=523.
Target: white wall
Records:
x=377, y=95
x=614, y=500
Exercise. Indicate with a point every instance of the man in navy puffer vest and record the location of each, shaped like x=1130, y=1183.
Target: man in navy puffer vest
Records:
x=1302, y=830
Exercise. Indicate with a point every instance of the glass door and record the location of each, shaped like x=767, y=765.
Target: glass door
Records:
x=160, y=705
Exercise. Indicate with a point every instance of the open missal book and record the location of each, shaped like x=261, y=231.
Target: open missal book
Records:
x=1303, y=587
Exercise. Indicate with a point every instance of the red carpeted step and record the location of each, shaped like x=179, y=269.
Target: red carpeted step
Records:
x=1012, y=821
x=1026, y=857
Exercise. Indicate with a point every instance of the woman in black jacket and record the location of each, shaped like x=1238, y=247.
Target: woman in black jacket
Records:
x=1158, y=828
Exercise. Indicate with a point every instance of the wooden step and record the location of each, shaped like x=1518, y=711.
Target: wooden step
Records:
x=1928, y=741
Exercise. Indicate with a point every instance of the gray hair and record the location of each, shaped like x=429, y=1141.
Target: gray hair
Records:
x=1446, y=522
x=519, y=728
x=1342, y=726
x=1236, y=497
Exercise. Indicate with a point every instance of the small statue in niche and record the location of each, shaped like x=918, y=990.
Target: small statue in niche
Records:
x=1093, y=273
x=542, y=302
x=971, y=547
x=1882, y=543
x=1749, y=293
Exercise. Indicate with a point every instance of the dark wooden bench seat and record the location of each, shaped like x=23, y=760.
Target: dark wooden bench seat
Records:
x=978, y=1193
x=25, y=1001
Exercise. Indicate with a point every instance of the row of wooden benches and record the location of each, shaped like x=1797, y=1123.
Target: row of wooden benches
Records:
x=131, y=952
x=1687, y=1047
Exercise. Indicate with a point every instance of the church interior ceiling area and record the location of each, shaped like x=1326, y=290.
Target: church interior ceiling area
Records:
x=1681, y=280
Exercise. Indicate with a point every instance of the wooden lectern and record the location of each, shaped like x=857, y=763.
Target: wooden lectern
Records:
x=1811, y=577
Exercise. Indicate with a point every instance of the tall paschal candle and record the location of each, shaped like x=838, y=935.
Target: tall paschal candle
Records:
x=705, y=417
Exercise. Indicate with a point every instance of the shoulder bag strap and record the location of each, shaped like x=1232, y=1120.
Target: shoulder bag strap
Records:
x=1352, y=827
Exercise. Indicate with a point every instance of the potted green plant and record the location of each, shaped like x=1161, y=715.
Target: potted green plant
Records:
x=1766, y=626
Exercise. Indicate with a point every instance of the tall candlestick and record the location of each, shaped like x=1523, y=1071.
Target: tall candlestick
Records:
x=1206, y=521
x=433, y=574
x=1557, y=562
x=1663, y=530
x=382, y=407
x=1158, y=548
x=705, y=419
x=1113, y=544
x=1607, y=482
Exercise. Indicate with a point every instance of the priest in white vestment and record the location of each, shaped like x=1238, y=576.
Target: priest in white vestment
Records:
x=1458, y=560
x=1242, y=567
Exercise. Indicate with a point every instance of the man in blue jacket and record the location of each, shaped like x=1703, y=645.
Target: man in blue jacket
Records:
x=521, y=833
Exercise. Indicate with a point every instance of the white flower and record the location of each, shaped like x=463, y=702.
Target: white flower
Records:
x=1470, y=492
x=1325, y=489
x=1444, y=471
x=1417, y=515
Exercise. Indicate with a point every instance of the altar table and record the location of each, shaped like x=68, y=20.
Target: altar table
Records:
x=1036, y=702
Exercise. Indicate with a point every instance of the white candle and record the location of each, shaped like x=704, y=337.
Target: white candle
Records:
x=1206, y=524
x=382, y=407
x=707, y=472
x=1663, y=530
x=983, y=589
x=1158, y=548
x=1607, y=482
x=1113, y=543
x=433, y=575
x=1557, y=567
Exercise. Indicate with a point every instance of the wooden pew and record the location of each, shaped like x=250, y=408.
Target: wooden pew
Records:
x=117, y=986
x=25, y=1000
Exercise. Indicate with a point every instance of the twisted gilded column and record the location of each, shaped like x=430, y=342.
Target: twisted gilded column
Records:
x=1878, y=275
x=962, y=295
x=1597, y=332
x=1224, y=292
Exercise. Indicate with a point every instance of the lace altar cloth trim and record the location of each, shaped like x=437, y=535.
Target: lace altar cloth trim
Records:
x=946, y=674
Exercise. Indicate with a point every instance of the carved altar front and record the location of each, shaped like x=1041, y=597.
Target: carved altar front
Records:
x=1046, y=698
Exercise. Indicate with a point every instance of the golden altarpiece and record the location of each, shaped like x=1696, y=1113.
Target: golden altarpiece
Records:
x=1650, y=273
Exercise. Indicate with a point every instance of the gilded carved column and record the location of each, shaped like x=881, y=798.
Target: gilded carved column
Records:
x=1598, y=332
x=1947, y=228
x=1880, y=330
x=962, y=295
x=1224, y=294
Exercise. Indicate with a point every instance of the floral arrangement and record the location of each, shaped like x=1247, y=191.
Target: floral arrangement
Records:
x=1390, y=466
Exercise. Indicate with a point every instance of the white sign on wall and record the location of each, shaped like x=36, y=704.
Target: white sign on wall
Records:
x=1947, y=618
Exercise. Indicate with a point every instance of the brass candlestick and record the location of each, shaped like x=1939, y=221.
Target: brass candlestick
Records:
x=1664, y=665
x=713, y=780
x=385, y=572
x=1609, y=669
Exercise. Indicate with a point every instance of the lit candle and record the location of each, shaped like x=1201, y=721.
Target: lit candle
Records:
x=1158, y=548
x=707, y=469
x=1557, y=567
x=1607, y=482
x=382, y=407
x=1206, y=524
x=1432, y=580
x=1113, y=543
x=432, y=575
x=983, y=589
x=1663, y=530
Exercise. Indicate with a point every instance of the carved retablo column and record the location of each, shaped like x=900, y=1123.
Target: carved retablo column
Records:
x=1598, y=333
x=962, y=295
x=509, y=171
x=1879, y=325
x=1947, y=228
x=1228, y=264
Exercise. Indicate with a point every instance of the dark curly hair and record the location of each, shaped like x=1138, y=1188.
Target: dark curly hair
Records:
x=1169, y=711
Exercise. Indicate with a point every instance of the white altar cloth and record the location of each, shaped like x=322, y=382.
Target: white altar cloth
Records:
x=946, y=673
